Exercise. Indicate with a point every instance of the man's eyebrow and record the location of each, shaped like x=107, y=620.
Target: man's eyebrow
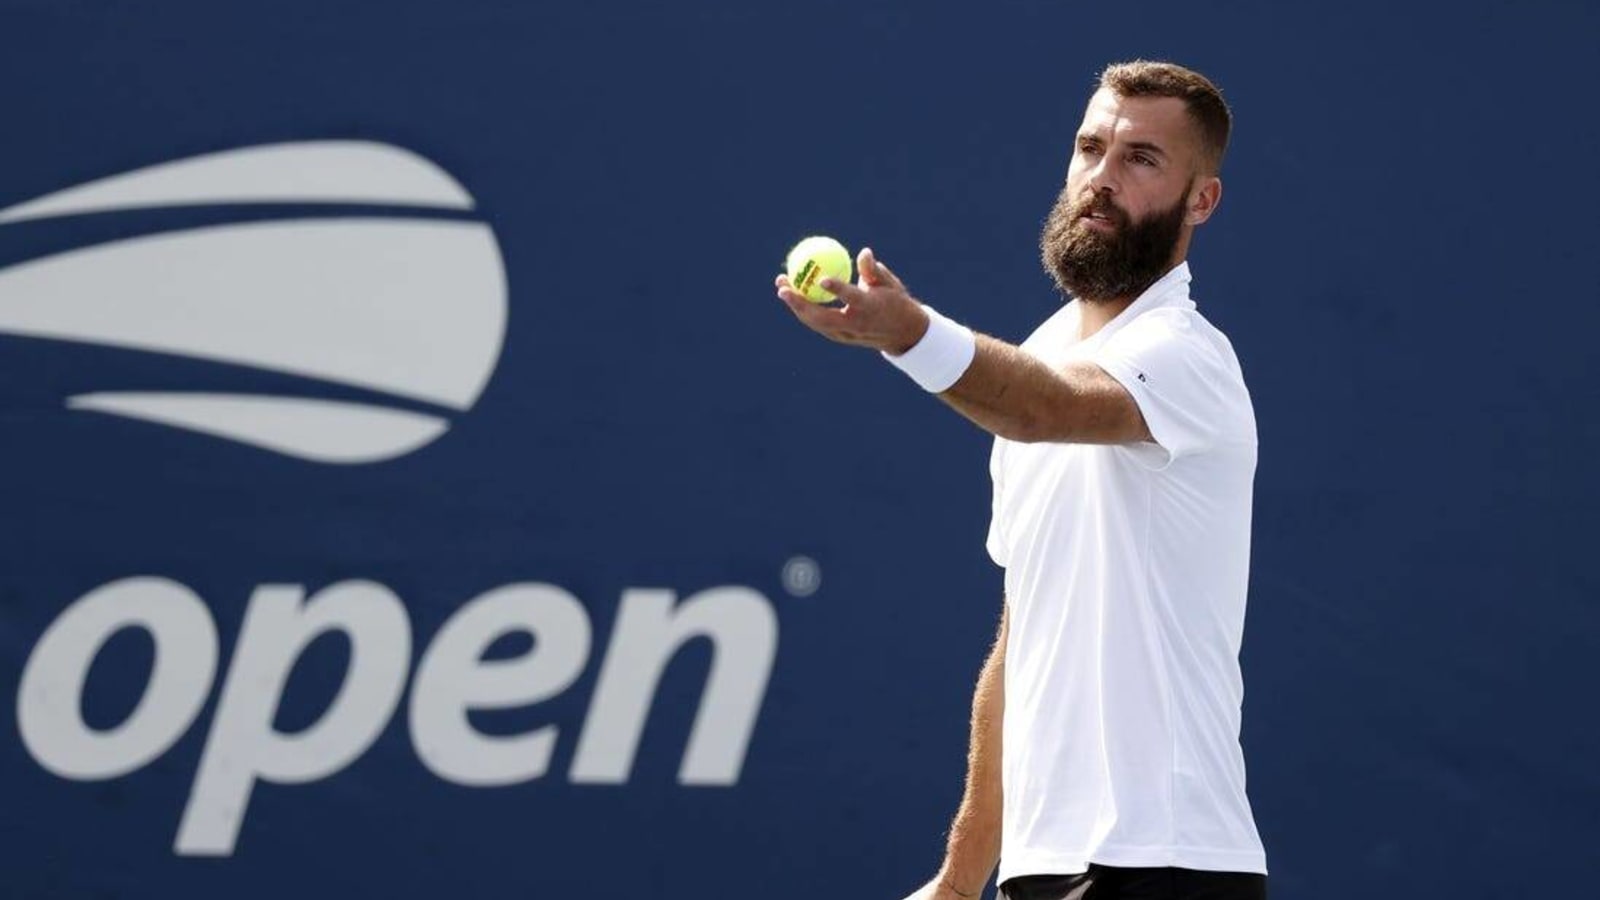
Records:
x=1147, y=145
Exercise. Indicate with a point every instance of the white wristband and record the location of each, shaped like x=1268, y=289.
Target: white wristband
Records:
x=938, y=361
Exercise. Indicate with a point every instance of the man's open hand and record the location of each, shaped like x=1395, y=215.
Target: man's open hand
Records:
x=878, y=312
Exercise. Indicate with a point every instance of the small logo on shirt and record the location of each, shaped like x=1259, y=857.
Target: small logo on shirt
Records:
x=1142, y=378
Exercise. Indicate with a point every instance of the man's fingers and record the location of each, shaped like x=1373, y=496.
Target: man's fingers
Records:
x=867, y=265
x=860, y=313
x=816, y=315
x=844, y=290
x=783, y=284
x=787, y=292
x=830, y=321
x=874, y=273
x=792, y=297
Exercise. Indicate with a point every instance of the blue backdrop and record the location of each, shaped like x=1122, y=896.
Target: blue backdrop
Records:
x=1402, y=259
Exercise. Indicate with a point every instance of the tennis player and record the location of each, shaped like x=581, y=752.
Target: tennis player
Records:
x=1104, y=758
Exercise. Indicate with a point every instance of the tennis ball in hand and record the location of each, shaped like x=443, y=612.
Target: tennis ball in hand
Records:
x=814, y=259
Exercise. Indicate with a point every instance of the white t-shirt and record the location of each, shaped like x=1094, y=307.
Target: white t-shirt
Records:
x=1126, y=570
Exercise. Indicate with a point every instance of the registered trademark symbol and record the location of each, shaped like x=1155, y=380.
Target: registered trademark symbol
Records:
x=801, y=576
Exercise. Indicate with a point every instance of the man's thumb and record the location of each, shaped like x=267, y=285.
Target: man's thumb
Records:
x=872, y=271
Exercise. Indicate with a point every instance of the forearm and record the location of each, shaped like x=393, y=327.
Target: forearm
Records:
x=1004, y=390
x=973, y=847
x=1015, y=395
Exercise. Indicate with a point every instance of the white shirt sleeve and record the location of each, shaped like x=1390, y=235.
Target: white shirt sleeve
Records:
x=1184, y=386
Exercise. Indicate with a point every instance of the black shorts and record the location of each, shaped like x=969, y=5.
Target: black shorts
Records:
x=1116, y=883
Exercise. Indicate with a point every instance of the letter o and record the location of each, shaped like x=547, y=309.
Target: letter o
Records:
x=50, y=697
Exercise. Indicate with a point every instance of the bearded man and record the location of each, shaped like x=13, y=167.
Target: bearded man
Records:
x=1104, y=759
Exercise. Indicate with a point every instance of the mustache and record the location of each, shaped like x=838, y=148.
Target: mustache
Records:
x=1096, y=204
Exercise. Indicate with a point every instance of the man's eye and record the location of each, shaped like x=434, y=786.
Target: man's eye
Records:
x=1088, y=148
x=1143, y=159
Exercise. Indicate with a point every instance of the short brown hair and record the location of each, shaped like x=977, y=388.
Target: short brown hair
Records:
x=1144, y=78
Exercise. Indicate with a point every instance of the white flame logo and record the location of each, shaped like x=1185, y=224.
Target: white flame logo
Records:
x=410, y=307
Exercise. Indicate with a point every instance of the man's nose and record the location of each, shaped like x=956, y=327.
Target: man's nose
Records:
x=1102, y=179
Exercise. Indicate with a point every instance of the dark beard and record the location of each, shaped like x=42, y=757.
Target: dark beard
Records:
x=1097, y=268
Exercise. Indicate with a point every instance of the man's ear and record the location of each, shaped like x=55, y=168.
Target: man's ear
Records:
x=1203, y=200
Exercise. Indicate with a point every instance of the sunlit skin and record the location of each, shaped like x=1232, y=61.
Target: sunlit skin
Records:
x=1139, y=153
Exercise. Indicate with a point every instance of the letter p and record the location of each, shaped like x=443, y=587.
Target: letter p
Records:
x=243, y=746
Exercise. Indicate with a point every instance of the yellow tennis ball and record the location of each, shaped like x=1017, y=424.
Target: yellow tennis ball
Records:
x=814, y=259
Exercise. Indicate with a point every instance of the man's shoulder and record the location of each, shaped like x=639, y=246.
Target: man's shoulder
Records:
x=1183, y=326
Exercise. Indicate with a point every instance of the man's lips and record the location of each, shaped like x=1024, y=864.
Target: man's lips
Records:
x=1098, y=220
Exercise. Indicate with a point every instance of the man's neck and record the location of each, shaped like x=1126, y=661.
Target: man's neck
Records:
x=1094, y=316
x=1097, y=314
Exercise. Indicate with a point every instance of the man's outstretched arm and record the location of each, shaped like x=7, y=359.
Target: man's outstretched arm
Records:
x=1005, y=390
x=1008, y=392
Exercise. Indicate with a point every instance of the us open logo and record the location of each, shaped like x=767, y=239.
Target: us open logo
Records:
x=410, y=308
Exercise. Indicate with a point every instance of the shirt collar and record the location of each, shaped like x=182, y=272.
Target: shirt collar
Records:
x=1171, y=289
